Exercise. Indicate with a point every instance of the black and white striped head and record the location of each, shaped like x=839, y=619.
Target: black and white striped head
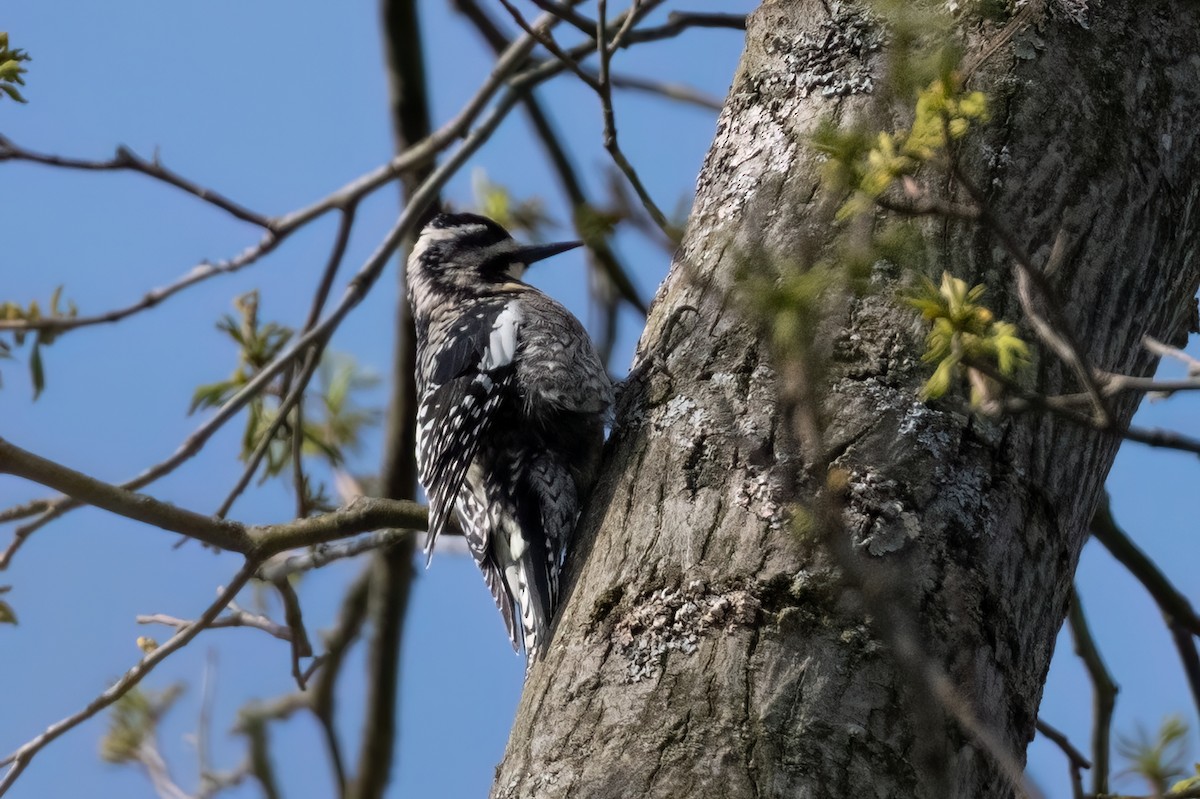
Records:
x=469, y=254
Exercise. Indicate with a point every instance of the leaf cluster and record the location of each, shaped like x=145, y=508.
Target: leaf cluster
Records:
x=12, y=312
x=258, y=345
x=11, y=69
x=868, y=164
x=1158, y=758
x=963, y=331
x=497, y=202
x=331, y=421
x=133, y=720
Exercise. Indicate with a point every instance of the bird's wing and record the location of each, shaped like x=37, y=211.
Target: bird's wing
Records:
x=470, y=380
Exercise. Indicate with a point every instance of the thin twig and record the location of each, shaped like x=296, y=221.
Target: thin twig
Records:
x=1104, y=694
x=696, y=19
x=301, y=648
x=546, y=39
x=201, y=272
x=672, y=91
x=204, y=721
x=1062, y=742
x=285, y=565
x=1037, y=297
x=337, y=644
x=290, y=401
x=1166, y=351
x=1174, y=605
x=605, y=49
x=568, y=15
x=1186, y=793
x=17, y=512
x=927, y=204
x=18, y=760
x=1185, y=643
x=234, y=618
x=293, y=396
x=1075, y=759
x=680, y=21
x=147, y=755
x=1020, y=400
x=1181, y=619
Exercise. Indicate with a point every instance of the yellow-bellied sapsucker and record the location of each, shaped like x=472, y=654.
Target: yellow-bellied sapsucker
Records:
x=512, y=399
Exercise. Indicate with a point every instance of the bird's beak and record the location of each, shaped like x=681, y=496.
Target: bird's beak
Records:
x=534, y=253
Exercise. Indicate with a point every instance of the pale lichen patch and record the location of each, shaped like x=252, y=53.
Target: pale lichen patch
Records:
x=673, y=620
x=833, y=59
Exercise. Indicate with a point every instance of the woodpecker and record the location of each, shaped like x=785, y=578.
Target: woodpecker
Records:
x=512, y=400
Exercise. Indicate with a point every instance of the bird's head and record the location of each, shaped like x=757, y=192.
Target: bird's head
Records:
x=469, y=253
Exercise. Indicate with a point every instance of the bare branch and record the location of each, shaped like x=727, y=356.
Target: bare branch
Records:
x=337, y=643
x=568, y=15
x=201, y=272
x=420, y=153
x=235, y=618
x=126, y=159
x=293, y=397
x=1187, y=793
x=152, y=762
x=1181, y=618
x=1165, y=439
x=257, y=541
x=17, y=512
x=926, y=204
x=284, y=565
x=696, y=19
x=18, y=760
x=680, y=21
x=204, y=720
x=301, y=648
x=1104, y=694
x=1174, y=605
x=1185, y=643
x=1075, y=759
x=1021, y=400
x=1165, y=351
x=672, y=91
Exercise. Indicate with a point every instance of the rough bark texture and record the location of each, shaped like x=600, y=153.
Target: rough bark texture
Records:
x=704, y=649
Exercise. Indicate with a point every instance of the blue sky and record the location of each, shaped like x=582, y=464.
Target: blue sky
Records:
x=276, y=105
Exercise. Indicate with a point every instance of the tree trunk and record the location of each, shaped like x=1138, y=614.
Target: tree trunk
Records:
x=704, y=648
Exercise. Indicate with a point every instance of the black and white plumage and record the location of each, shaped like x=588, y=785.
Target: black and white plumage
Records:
x=511, y=404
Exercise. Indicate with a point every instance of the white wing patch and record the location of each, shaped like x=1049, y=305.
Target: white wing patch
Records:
x=502, y=342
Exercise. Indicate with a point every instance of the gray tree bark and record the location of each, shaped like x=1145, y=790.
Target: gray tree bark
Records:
x=705, y=649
